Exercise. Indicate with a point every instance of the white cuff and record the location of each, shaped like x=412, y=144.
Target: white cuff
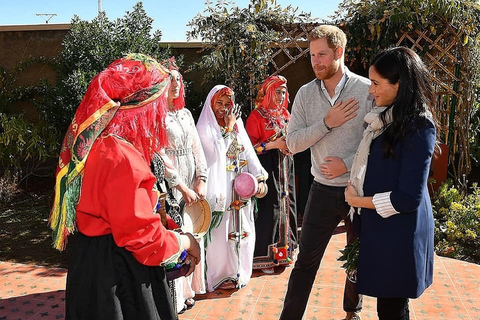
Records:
x=382, y=204
x=175, y=256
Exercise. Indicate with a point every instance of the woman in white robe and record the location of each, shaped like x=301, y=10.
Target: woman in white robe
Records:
x=228, y=150
x=188, y=179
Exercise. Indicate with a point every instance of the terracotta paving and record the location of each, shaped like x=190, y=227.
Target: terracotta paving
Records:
x=31, y=292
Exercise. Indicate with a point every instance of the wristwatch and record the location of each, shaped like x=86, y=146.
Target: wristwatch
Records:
x=326, y=125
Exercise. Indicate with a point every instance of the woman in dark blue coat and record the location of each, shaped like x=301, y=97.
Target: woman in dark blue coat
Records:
x=389, y=185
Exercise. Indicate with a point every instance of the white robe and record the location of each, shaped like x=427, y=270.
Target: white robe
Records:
x=222, y=261
x=185, y=152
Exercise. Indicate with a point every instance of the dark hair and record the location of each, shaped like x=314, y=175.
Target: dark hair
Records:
x=415, y=98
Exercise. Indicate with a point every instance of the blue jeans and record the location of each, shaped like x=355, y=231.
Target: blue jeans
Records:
x=325, y=208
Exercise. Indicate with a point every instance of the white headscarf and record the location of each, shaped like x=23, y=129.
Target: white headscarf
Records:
x=215, y=151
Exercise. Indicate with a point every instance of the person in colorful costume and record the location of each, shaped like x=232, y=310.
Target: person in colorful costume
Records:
x=230, y=240
x=105, y=190
x=276, y=222
x=189, y=179
x=389, y=180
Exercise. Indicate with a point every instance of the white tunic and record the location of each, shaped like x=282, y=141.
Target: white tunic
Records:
x=185, y=152
x=224, y=258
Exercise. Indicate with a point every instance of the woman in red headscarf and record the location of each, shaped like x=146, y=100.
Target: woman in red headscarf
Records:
x=105, y=190
x=276, y=221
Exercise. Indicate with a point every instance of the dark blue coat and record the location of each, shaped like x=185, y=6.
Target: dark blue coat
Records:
x=396, y=253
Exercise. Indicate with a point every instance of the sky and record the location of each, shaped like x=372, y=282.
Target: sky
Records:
x=170, y=16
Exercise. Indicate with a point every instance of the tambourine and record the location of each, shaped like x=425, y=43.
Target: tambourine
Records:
x=196, y=217
x=245, y=185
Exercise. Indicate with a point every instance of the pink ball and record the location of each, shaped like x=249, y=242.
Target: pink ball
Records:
x=245, y=185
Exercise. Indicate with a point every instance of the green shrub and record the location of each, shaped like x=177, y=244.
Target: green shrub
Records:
x=88, y=48
x=474, y=131
x=8, y=187
x=457, y=222
x=24, y=147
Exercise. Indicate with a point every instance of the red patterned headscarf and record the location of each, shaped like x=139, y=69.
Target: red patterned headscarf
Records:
x=127, y=99
x=266, y=96
x=226, y=91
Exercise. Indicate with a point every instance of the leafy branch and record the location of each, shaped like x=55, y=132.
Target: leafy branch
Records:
x=350, y=255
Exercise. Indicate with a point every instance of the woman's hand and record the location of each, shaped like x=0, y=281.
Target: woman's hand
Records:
x=280, y=144
x=350, y=194
x=232, y=115
x=200, y=188
x=193, y=251
x=192, y=262
x=354, y=200
x=262, y=190
x=189, y=196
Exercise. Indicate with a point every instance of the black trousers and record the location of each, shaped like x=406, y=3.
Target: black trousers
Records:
x=325, y=208
x=393, y=309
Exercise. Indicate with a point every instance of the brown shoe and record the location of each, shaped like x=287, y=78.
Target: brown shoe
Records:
x=353, y=316
x=228, y=285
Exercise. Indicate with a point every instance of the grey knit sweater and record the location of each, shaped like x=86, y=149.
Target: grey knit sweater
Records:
x=307, y=130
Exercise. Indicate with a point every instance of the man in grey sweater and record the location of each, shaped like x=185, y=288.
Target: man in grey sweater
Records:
x=327, y=117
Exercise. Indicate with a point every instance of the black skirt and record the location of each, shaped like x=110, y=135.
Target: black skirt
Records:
x=105, y=281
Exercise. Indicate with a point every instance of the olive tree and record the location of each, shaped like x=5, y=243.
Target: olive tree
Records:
x=238, y=42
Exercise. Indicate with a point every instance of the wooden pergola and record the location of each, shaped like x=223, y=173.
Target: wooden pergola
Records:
x=449, y=63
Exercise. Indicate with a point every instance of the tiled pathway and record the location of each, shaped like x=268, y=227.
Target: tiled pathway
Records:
x=31, y=292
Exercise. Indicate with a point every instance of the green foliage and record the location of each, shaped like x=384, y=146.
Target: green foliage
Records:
x=474, y=131
x=11, y=93
x=6, y=81
x=374, y=25
x=457, y=222
x=90, y=47
x=8, y=187
x=24, y=146
x=87, y=49
x=239, y=43
x=350, y=255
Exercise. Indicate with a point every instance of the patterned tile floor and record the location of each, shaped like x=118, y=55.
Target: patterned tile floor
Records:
x=31, y=292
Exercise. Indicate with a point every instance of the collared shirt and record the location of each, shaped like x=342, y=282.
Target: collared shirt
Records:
x=338, y=89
